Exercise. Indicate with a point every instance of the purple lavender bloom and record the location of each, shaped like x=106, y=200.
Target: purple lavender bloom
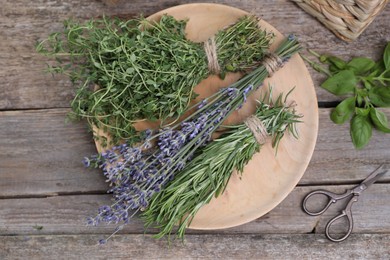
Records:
x=90, y=221
x=123, y=148
x=249, y=88
x=86, y=162
x=291, y=37
x=202, y=103
x=147, y=145
x=180, y=165
x=231, y=91
x=148, y=133
x=246, y=90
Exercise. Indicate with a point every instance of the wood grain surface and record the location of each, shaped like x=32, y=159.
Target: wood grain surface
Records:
x=46, y=193
x=67, y=215
x=260, y=246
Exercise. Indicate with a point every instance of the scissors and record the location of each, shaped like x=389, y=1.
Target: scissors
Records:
x=333, y=198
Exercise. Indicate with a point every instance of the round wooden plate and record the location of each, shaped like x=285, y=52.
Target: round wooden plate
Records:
x=267, y=179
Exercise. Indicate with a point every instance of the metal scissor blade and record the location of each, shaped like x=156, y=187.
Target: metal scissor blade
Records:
x=375, y=175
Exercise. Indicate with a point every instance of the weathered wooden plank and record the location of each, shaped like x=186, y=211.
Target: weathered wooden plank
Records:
x=368, y=246
x=24, y=85
x=67, y=214
x=335, y=160
x=41, y=155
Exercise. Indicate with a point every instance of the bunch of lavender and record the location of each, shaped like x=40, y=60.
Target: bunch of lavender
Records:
x=207, y=175
x=137, y=173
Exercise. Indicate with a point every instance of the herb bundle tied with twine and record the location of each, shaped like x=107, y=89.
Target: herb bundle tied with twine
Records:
x=127, y=71
x=208, y=174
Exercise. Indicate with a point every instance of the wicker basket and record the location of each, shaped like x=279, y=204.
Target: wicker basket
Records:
x=346, y=18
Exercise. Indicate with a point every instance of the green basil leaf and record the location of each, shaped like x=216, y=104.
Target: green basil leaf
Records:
x=380, y=120
x=380, y=96
x=359, y=100
x=361, y=65
x=337, y=62
x=378, y=69
x=361, y=131
x=362, y=92
x=386, y=56
x=341, y=83
x=333, y=60
x=386, y=74
x=343, y=111
x=362, y=111
x=367, y=84
x=333, y=69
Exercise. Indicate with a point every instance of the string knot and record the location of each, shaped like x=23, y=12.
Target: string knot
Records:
x=257, y=128
x=211, y=52
x=272, y=63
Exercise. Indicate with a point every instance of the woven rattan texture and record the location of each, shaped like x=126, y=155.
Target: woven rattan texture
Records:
x=346, y=18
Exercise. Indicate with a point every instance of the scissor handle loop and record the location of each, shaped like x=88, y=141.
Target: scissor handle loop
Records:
x=331, y=196
x=347, y=212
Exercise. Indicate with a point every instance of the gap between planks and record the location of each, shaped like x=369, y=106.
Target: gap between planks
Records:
x=103, y=192
x=325, y=104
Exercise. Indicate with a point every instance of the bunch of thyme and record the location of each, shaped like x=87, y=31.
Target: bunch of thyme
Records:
x=208, y=174
x=137, y=173
x=126, y=71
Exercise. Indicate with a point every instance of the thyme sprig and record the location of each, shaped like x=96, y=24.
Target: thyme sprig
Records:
x=208, y=174
x=126, y=71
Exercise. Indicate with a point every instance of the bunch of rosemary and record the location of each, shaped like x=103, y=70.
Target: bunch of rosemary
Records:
x=135, y=174
x=207, y=175
x=126, y=71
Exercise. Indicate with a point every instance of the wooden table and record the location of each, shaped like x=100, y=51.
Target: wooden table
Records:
x=45, y=192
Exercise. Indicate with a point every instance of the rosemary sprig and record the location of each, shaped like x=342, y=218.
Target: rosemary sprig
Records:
x=143, y=70
x=207, y=175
